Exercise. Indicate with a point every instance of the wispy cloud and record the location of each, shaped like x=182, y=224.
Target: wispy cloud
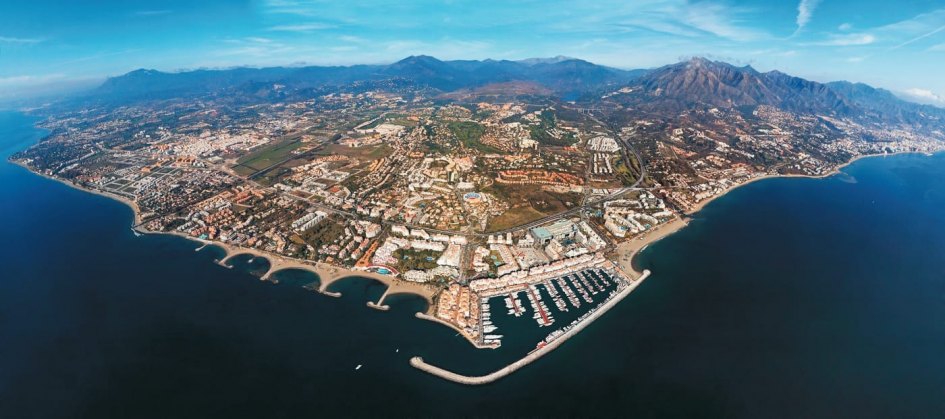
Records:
x=303, y=27
x=805, y=12
x=889, y=37
x=30, y=80
x=720, y=20
x=685, y=20
x=94, y=57
x=255, y=47
x=36, y=85
x=152, y=12
x=846, y=40
x=19, y=41
x=920, y=37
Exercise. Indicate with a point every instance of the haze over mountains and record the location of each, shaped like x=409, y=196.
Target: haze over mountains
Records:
x=690, y=84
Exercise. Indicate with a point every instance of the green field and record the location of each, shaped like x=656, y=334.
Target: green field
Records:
x=468, y=133
x=268, y=155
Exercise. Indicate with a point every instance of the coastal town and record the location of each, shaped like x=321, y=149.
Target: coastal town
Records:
x=537, y=206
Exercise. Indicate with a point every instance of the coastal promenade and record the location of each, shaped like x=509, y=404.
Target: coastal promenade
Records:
x=327, y=274
x=417, y=362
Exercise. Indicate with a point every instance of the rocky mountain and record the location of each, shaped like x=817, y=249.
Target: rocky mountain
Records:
x=700, y=82
x=881, y=103
x=563, y=76
x=695, y=83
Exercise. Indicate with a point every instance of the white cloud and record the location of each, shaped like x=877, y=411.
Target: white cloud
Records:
x=682, y=19
x=259, y=40
x=719, y=20
x=19, y=41
x=805, y=11
x=303, y=27
x=923, y=95
x=938, y=47
x=847, y=40
x=29, y=80
x=845, y=26
x=255, y=47
x=352, y=39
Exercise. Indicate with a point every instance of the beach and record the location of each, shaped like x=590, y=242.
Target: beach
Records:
x=625, y=252
x=327, y=273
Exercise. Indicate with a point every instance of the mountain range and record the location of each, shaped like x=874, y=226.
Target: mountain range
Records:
x=694, y=83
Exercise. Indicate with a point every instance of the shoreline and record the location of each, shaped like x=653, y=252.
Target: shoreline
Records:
x=626, y=252
x=836, y=170
x=623, y=256
x=136, y=211
x=327, y=274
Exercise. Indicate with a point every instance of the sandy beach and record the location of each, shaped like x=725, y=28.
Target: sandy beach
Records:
x=327, y=273
x=131, y=204
x=623, y=255
x=625, y=252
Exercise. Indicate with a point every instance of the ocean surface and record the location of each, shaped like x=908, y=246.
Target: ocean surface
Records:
x=785, y=298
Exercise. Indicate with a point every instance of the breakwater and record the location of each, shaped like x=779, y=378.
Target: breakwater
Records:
x=417, y=362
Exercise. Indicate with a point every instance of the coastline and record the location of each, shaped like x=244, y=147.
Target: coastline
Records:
x=623, y=256
x=836, y=170
x=131, y=204
x=626, y=252
x=327, y=274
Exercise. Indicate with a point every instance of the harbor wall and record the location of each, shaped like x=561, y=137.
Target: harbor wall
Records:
x=417, y=362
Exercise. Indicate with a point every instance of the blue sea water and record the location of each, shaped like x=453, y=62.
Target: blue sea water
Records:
x=786, y=298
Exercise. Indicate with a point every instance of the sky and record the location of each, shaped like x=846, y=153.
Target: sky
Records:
x=54, y=45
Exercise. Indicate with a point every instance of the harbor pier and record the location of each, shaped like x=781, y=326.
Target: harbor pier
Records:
x=417, y=362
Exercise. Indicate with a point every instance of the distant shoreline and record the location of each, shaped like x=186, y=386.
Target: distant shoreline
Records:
x=628, y=251
x=326, y=273
x=624, y=256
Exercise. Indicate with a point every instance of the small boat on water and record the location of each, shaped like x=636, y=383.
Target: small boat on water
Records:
x=357, y=367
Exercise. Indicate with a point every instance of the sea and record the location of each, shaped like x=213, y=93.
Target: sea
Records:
x=788, y=297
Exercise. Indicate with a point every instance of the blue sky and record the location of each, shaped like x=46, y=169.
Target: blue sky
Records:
x=50, y=44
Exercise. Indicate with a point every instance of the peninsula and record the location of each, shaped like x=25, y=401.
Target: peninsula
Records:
x=476, y=193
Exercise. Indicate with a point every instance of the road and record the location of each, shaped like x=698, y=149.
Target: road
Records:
x=588, y=203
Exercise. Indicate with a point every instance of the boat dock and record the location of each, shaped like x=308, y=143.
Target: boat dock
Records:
x=417, y=362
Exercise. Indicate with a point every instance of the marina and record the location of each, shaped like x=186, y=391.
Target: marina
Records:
x=566, y=292
x=552, y=341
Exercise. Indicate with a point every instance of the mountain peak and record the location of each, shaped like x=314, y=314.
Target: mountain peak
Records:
x=698, y=61
x=702, y=82
x=419, y=59
x=552, y=60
